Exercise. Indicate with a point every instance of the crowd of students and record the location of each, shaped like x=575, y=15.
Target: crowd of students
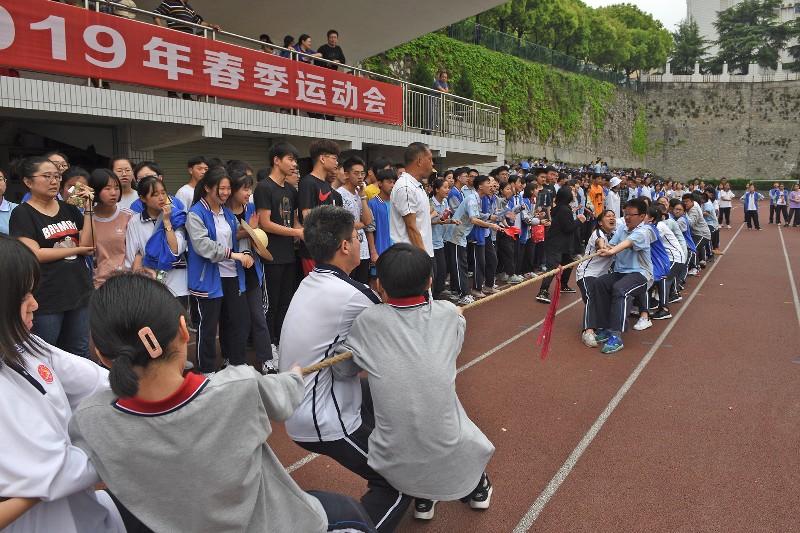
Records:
x=111, y=252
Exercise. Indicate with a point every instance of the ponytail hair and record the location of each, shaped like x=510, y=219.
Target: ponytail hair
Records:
x=118, y=310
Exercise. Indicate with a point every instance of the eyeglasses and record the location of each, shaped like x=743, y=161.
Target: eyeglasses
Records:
x=629, y=215
x=362, y=173
x=335, y=157
x=60, y=165
x=124, y=171
x=52, y=178
x=2, y=178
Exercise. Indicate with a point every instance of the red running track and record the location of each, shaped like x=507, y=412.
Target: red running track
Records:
x=692, y=427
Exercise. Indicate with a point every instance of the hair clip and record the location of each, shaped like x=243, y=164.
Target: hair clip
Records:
x=150, y=342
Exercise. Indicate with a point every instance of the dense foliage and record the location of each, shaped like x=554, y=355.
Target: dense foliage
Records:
x=536, y=101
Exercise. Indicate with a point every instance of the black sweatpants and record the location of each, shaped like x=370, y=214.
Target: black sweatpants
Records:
x=505, y=253
x=586, y=285
x=384, y=504
x=459, y=281
x=613, y=296
x=280, y=289
x=553, y=260
x=490, y=254
x=751, y=218
x=781, y=210
x=343, y=511
x=724, y=213
x=439, y=271
x=479, y=262
x=257, y=305
x=231, y=315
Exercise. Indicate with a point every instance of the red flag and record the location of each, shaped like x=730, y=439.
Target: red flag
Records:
x=512, y=232
x=550, y=318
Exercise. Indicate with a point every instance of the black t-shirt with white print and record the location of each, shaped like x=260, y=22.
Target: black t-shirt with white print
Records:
x=65, y=284
x=281, y=201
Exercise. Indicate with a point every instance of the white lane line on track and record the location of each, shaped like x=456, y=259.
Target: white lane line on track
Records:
x=310, y=457
x=791, y=276
x=533, y=513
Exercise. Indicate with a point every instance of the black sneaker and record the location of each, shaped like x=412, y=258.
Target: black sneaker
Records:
x=661, y=315
x=424, y=509
x=675, y=298
x=481, y=496
x=566, y=289
x=225, y=364
x=543, y=297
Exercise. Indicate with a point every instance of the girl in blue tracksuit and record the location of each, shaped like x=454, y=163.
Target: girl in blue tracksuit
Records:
x=256, y=293
x=216, y=272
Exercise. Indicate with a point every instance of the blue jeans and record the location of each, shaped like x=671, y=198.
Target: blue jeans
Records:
x=68, y=330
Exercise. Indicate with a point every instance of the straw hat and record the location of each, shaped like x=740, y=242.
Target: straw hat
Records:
x=259, y=240
x=122, y=12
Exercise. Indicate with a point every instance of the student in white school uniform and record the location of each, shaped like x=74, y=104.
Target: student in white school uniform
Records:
x=46, y=483
x=588, y=271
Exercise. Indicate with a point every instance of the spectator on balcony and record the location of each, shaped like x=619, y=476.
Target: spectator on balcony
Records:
x=185, y=19
x=304, y=45
x=267, y=46
x=288, y=42
x=331, y=51
x=435, y=108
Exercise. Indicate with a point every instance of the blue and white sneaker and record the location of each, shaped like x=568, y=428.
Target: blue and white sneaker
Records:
x=612, y=345
x=602, y=335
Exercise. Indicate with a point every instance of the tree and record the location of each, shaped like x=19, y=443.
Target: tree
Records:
x=610, y=45
x=690, y=47
x=650, y=43
x=750, y=32
x=794, y=50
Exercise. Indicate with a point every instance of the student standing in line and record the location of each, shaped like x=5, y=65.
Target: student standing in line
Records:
x=378, y=236
x=123, y=170
x=750, y=200
x=197, y=167
x=355, y=201
x=110, y=225
x=773, y=199
x=782, y=205
x=256, y=294
x=149, y=169
x=794, y=206
x=276, y=203
x=6, y=207
x=60, y=236
x=559, y=243
x=314, y=189
x=148, y=230
x=441, y=219
x=678, y=214
x=725, y=205
x=216, y=273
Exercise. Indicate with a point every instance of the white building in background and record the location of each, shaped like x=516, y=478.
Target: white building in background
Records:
x=704, y=12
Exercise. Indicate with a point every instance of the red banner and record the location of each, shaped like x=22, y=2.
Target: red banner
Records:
x=52, y=37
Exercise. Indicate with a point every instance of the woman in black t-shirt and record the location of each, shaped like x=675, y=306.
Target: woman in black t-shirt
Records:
x=54, y=230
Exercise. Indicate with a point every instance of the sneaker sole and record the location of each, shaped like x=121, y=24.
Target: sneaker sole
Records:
x=482, y=504
x=665, y=317
x=426, y=515
x=644, y=328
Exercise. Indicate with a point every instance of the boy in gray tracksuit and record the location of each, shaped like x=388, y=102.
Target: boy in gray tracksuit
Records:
x=423, y=443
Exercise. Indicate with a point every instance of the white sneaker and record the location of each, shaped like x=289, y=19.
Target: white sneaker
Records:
x=466, y=300
x=642, y=324
x=588, y=339
x=513, y=280
x=268, y=367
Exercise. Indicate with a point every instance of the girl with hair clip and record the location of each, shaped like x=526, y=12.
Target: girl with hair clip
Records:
x=45, y=481
x=59, y=234
x=256, y=294
x=110, y=225
x=158, y=227
x=216, y=273
x=143, y=435
x=593, y=268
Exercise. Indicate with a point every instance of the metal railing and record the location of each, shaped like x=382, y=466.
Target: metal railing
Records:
x=473, y=33
x=424, y=108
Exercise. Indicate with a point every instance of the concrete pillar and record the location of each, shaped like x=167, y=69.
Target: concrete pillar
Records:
x=753, y=71
x=667, y=73
x=725, y=78
x=696, y=76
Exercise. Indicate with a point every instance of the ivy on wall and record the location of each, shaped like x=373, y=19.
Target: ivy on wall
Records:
x=639, y=144
x=537, y=102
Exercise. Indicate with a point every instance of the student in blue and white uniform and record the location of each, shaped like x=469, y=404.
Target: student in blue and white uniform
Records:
x=216, y=272
x=750, y=201
x=589, y=270
x=441, y=221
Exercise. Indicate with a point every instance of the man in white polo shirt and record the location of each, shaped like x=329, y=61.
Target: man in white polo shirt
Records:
x=410, y=213
x=335, y=417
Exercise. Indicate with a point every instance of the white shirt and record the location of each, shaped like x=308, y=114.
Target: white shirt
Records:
x=612, y=203
x=352, y=202
x=317, y=323
x=126, y=200
x=138, y=233
x=227, y=267
x=596, y=266
x=408, y=196
x=39, y=459
x=671, y=243
x=185, y=194
x=725, y=198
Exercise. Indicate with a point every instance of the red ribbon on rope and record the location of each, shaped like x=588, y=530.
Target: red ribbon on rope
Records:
x=550, y=318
